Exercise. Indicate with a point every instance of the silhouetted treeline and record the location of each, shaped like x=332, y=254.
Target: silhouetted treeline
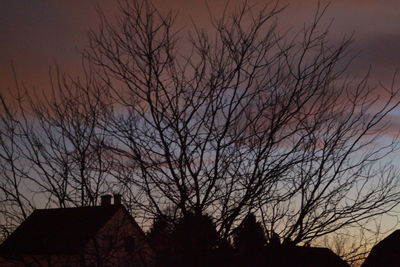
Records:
x=194, y=241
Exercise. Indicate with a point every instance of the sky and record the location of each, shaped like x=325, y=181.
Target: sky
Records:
x=34, y=34
x=37, y=33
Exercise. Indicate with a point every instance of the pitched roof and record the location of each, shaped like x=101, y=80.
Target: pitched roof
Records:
x=64, y=230
x=386, y=252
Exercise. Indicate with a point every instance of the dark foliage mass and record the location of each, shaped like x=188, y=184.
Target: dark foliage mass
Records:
x=193, y=241
x=249, y=236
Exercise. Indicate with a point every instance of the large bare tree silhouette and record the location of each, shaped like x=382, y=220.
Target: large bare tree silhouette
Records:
x=240, y=118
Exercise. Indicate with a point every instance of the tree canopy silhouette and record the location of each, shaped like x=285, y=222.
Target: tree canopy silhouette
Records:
x=249, y=236
x=195, y=232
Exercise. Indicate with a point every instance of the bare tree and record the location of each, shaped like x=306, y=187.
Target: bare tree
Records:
x=225, y=121
x=14, y=205
x=51, y=152
x=63, y=144
x=249, y=119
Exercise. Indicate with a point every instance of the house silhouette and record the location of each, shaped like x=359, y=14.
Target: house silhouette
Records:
x=105, y=235
x=386, y=253
x=299, y=256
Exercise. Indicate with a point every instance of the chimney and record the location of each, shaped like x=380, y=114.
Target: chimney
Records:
x=117, y=199
x=106, y=200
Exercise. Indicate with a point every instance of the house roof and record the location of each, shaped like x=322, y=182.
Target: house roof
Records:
x=65, y=230
x=303, y=257
x=386, y=252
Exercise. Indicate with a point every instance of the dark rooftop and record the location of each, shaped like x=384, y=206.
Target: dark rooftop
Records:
x=385, y=253
x=63, y=230
x=303, y=257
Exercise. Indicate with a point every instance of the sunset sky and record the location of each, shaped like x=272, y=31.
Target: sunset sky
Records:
x=35, y=34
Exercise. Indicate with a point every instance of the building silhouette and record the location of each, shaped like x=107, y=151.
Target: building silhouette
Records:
x=386, y=253
x=299, y=256
x=105, y=235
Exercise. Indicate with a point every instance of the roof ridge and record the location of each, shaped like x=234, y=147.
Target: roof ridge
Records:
x=79, y=207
